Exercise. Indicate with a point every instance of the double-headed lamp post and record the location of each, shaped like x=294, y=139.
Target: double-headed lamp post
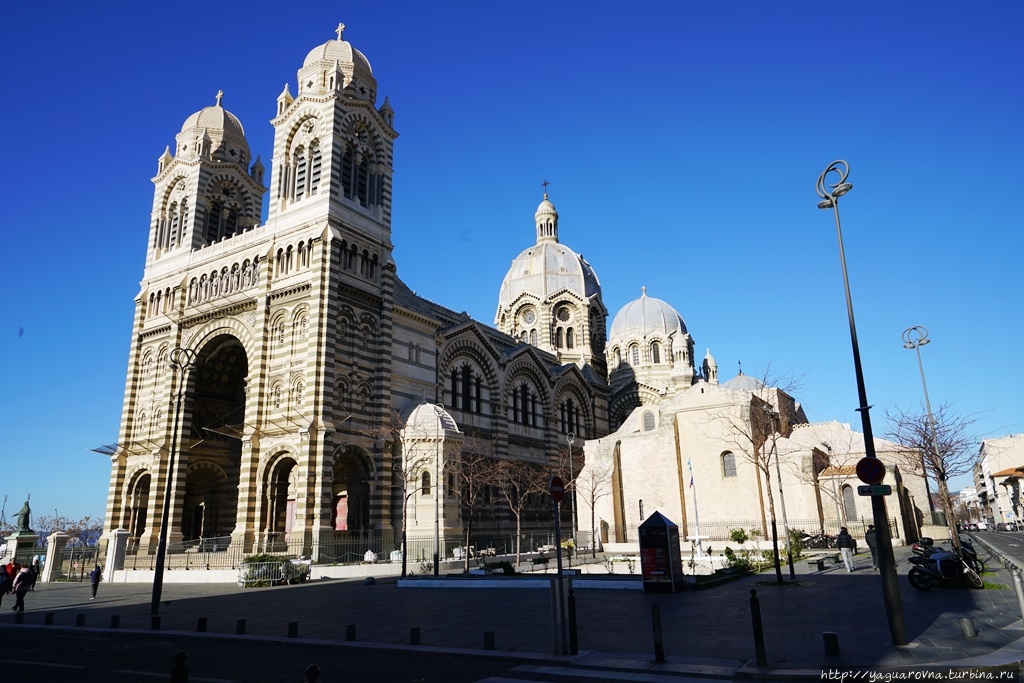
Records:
x=438, y=412
x=570, y=438
x=914, y=338
x=830, y=194
x=181, y=360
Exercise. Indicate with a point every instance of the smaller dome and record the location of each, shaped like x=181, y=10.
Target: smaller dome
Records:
x=338, y=51
x=428, y=420
x=743, y=382
x=645, y=317
x=220, y=128
x=545, y=208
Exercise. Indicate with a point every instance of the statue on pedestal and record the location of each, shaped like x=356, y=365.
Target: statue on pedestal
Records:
x=23, y=520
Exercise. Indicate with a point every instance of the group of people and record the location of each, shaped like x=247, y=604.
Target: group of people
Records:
x=846, y=546
x=18, y=580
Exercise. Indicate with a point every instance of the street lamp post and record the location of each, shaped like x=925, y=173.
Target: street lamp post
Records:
x=571, y=484
x=438, y=411
x=830, y=194
x=180, y=361
x=914, y=338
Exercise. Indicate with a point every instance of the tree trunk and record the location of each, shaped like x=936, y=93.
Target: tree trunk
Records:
x=775, y=533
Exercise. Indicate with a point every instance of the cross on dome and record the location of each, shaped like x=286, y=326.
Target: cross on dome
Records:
x=340, y=30
x=545, y=185
x=220, y=96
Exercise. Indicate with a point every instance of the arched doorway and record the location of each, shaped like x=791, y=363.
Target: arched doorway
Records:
x=136, y=519
x=280, y=493
x=351, y=492
x=214, y=417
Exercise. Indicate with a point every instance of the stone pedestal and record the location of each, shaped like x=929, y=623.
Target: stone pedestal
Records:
x=23, y=543
x=55, y=544
x=117, y=548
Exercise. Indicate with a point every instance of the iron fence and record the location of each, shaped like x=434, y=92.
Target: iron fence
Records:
x=722, y=530
x=75, y=563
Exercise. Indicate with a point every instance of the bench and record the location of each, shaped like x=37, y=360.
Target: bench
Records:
x=818, y=562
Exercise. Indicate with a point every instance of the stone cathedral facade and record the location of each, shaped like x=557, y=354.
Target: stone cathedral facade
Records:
x=323, y=397
x=305, y=340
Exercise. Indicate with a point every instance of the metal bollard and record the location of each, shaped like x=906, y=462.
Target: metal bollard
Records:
x=755, y=616
x=179, y=672
x=201, y=625
x=48, y=619
x=240, y=627
x=831, y=640
x=79, y=620
x=967, y=627
x=488, y=640
x=115, y=621
x=414, y=635
x=154, y=625
x=350, y=632
x=312, y=673
x=1018, y=588
x=659, y=643
x=574, y=646
x=293, y=629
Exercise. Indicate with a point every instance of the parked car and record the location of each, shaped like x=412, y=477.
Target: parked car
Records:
x=981, y=526
x=1002, y=526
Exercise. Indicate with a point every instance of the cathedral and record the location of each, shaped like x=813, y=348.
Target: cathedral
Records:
x=286, y=387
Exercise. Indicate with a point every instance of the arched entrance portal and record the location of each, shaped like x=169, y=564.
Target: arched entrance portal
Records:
x=280, y=491
x=138, y=503
x=351, y=492
x=212, y=448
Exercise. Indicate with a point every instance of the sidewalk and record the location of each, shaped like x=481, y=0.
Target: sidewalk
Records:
x=705, y=631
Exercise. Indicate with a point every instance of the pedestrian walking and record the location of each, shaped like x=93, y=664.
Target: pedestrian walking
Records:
x=871, y=539
x=94, y=579
x=22, y=585
x=844, y=541
x=35, y=573
x=5, y=582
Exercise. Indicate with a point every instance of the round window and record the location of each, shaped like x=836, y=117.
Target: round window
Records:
x=564, y=314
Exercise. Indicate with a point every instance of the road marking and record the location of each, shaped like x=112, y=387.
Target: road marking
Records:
x=150, y=674
x=50, y=664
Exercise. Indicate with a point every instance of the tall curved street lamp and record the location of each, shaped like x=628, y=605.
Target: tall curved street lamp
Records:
x=181, y=360
x=438, y=411
x=570, y=438
x=830, y=194
x=914, y=338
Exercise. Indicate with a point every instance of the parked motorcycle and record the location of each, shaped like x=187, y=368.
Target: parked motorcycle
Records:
x=925, y=547
x=942, y=566
x=818, y=541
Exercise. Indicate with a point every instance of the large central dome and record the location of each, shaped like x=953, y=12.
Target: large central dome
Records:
x=548, y=267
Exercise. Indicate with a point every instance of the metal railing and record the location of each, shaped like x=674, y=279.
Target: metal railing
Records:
x=722, y=530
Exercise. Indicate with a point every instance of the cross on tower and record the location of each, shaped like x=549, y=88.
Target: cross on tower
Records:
x=340, y=30
x=545, y=184
x=220, y=96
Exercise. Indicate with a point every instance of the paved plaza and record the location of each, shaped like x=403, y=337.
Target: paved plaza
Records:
x=706, y=632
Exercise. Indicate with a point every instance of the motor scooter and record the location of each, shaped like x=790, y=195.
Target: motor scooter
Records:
x=925, y=547
x=941, y=566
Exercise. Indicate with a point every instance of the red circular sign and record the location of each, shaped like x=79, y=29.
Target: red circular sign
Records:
x=870, y=470
x=557, y=489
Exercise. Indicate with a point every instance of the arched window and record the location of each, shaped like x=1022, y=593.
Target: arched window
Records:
x=849, y=503
x=212, y=231
x=570, y=338
x=314, y=170
x=299, y=165
x=634, y=355
x=655, y=352
x=648, y=421
x=425, y=483
x=534, y=337
x=728, y=464
x=616, y=357
x=559, y=338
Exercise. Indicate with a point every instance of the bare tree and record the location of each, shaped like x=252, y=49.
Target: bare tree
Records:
x=405, y=460
x=476, y=471
x=518, y=481
x=593, y=484
x=948, y=451
x=754, y=431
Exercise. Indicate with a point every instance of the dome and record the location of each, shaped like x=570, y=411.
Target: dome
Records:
x=548, y=267
x=427, y=421
x=337, y=51
x=743, y=382
x=227, y=137
x=646, y=317
x=545, y=269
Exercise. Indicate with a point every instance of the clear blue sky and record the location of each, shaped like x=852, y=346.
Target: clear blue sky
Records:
x=682, y=141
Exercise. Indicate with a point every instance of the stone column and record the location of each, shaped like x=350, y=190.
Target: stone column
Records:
x=55, y=544
x=117, y=548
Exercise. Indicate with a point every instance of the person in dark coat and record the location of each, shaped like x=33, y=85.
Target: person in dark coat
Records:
x=22, y=585
x=94, y=579
x=844, y=541
x=872, y=540
x=5, y=582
